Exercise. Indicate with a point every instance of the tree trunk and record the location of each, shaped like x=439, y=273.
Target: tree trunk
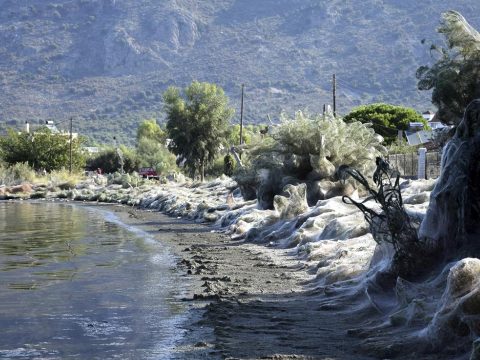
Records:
x=202, y=171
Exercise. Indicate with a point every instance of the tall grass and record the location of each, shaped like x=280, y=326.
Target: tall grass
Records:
x=16, y=174
x=21, y=173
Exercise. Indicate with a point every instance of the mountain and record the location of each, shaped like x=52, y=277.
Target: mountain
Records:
x=107, y=62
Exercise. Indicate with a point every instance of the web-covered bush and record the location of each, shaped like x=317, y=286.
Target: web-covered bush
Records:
x=330, y=138
x=306, y=149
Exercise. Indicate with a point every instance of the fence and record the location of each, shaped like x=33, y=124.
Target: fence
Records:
x=407, y=164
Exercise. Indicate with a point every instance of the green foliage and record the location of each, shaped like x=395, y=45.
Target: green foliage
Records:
x=455, y=77
x=228, y=165
x=386, y=119
x=149, y=129
x=401, y=147
x=197, y=122
x=41, y=150
x=151, y=153
x=215, y=169
x=110, y=160
x=249, y=133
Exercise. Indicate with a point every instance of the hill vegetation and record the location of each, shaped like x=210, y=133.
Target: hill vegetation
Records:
x=108, y=62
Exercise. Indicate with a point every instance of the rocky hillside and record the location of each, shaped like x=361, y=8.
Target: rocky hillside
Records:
x=107, y=62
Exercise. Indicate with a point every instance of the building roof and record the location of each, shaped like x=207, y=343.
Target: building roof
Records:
x=419, y=137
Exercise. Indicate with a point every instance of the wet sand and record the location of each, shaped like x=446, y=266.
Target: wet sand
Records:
x=247, y=301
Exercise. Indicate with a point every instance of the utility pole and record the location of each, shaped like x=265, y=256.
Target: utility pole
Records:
x=241, y=117
x=71, y=138
x=334, y=96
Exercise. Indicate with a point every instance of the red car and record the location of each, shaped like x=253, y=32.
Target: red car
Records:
x=148, y=172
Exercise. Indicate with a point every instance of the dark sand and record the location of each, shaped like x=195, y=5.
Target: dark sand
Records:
x=247, y=301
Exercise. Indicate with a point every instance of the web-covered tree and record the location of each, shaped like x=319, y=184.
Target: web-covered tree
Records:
x=197, y=121
x=386, y=119
x=455, y=77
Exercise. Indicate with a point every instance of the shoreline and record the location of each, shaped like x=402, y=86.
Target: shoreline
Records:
x=246, y=301
x=275, y=284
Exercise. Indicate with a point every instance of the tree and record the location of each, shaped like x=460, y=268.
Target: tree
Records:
x=250, y=133
x=151, y=153
x=455, y=77
x=151, y=148
x=151, y=130
x=109, y=160
x=386, y=119
x=41, y=150
x=197, y=121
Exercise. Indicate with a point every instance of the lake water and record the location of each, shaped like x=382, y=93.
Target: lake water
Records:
x=77, y=283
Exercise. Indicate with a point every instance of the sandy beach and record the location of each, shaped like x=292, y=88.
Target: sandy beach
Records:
x=246, y=302
x=250, y=302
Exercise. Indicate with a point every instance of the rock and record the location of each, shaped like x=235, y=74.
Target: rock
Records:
x=23, y=188
x=66, y=186
x=462, y=277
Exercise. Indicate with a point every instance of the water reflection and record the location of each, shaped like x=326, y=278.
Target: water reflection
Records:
x=75, y=282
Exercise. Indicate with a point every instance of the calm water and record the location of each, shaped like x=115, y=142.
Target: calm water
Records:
x=77, y=283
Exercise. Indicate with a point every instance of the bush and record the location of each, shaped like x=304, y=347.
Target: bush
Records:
x=228, y=165
x=306, y=149
x=16, y=174
x=110, y=160
x=401, y=147
x=215, y=169
x=63, y=176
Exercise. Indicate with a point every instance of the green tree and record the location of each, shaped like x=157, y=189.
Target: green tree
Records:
x=41, y=150
x=250, y=133
x=386, y=119
x=455, y=77
x=197, y=121
x=151, y=130
x=109, y=160
x=151, y=153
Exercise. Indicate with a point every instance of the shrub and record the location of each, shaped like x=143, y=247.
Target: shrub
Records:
x=16, y=174
x=401, y=147
x=110, y=160
x=305, y=149
x=228, y=165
